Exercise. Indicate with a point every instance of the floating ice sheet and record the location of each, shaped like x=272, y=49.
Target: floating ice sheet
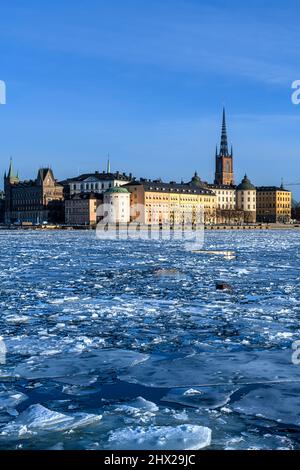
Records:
x=201, y=397
x=10, y=399
x=183, y=437
x=100, y=361
x=279, y=402
x=38, y=418
x=214, y=369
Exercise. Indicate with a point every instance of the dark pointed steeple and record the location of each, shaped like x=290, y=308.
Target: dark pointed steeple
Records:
x=224, y=160
x=11, y=173
x=224, y=141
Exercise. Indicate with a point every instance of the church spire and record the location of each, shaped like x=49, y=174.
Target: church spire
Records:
x=224, y=141
x=11, y=173
x=108, y=164
x=224, y=160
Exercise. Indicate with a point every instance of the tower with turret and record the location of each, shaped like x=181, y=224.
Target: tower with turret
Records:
x=224, y=174
x=10, y=179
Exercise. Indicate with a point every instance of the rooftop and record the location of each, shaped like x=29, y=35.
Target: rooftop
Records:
x=97, y=176
x=172, y=187
x=221, y=186
x=85, y=196
x=272, y=188
x=117, y=189
x=246, y=185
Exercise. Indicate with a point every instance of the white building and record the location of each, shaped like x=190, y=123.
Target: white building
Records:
x=117, y=205
x=96, y=182
x=246, y=199
x=226, y=196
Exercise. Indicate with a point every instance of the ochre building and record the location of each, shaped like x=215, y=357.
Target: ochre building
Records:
x=155, y=202
x=274, y=204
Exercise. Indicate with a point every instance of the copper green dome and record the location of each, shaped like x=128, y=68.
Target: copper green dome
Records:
x=117, y=189
x=196, y=181
x=246, y=185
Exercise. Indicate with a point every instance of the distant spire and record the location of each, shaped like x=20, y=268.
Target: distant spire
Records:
x=282, y=185
x=11, y=173
x=224, y=141
x=231, y=150
x=108, y=163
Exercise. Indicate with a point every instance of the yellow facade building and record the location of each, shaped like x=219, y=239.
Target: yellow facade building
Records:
x=155, y=202
x=274, y=205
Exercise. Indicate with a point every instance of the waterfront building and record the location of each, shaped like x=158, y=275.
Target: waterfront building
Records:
x=2, y=207
x=97, y=182
x=170, y=203
x=246, y=200
x=81, y=209
x=226, y=196
x=117, y=205
x=34, y=201
x=274, y=204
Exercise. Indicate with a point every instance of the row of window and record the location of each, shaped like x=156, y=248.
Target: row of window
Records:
x=163, y=198
x=274, y=206
x=92, y=186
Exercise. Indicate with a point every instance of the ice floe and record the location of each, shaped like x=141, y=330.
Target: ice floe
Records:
x=39, y=418
x=201, y=397
x=279, y=402
x=101, y=361
x=183, y=437
x=214, y=369
x=10, y=399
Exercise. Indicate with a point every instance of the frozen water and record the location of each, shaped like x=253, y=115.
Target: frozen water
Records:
x=103, y=328
x=201, y=397
x=183, y=437
x=103, y=362
x=214, y=369
x=142, y=404
x=38, y=418
x=10, y=399
x=280, y=403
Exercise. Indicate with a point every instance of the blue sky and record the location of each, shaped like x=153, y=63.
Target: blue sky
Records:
x=145, y=80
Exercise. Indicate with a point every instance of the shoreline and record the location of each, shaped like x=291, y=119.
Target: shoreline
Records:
x=139, y=227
